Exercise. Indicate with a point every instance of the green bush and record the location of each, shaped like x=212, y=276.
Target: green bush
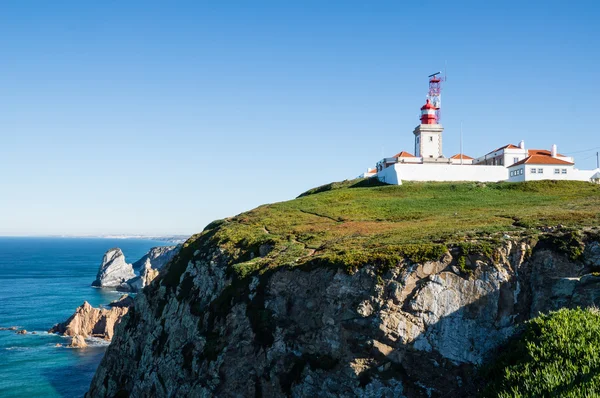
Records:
x=557, y=355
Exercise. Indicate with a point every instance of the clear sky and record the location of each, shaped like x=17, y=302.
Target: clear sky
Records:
x=157, y=117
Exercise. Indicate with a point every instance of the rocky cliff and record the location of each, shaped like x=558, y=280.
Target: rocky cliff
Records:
x=418, y=329
x=296, y=300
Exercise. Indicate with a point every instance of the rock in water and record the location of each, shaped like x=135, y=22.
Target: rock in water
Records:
x=77, y=342
x=114, y=271
x=157, y=257
x=89, y=321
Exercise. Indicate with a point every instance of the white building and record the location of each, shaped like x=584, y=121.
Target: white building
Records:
x=511, y=154
x=547, y=166
x=508, y=163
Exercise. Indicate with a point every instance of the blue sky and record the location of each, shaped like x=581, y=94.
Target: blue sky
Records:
x=158, y=117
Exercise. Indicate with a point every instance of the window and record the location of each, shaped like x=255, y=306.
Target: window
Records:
x=512, y=173
x=540, y=171
x=533, y=171
x=564, y=171
x=520, y=171
x=430, y=139
x=556, y=171
x=515, y=160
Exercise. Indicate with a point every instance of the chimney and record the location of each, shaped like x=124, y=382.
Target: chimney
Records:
x=554, y=150
x=522, y=144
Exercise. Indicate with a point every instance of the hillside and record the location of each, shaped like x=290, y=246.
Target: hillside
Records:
x=352, y=223
x=357, y=289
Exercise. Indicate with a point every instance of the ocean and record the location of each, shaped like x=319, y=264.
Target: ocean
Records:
x=42, y=282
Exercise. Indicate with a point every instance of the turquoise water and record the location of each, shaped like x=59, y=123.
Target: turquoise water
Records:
x=42, y=281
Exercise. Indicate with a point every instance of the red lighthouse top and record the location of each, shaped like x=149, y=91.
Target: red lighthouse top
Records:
x=428, y=115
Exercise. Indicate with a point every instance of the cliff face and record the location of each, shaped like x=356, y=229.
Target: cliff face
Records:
x=414, y=329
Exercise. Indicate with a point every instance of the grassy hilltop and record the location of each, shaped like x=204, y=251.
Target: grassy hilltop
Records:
x=359, y=221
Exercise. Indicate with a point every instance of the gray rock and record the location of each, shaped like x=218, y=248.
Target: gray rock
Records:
x=114, y=271
x=591, y=254
x=157, y=257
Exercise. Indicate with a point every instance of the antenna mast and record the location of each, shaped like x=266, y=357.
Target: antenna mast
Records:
x=435, y=93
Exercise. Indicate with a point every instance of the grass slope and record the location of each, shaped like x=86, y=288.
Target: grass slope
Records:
x=558, y=355
x=357, y=221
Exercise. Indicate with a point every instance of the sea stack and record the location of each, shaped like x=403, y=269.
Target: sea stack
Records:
x=114, y=271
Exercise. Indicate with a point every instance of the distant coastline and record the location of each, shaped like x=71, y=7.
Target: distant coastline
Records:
x=176, y=239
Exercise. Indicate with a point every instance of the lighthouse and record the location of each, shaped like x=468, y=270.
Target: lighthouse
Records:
x=428, y=135
x=428, y=113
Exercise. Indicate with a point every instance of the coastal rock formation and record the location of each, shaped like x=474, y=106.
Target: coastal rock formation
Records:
x=88, y=321
x=114, y=271
x=77, y=341
x=147, y=275
x=416, y=329
x=157, y=257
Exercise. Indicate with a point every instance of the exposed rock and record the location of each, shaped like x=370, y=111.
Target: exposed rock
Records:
x=147, y=275
x=77, y=341
x=9, y=328
x=88, y=321
x=157, y=257
x=592, y=254
x=416, y=330
x=123, y=301
x=22, y=331
x=114, y=271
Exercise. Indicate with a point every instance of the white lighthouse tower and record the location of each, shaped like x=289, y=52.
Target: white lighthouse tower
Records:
x=428, y=135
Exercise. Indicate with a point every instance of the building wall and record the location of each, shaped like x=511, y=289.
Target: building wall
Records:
x=428, y=140
x=431, y=144
x=571, y=174
x=441, y=172
x=503, y=157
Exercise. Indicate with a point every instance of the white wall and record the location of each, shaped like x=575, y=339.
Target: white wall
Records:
x=441, y=172
x=431, y=145
x=572, y=174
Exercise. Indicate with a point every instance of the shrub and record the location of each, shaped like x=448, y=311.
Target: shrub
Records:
x=556, y=355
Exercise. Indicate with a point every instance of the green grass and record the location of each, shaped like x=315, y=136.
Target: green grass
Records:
x=360, y=221
x=558, y=355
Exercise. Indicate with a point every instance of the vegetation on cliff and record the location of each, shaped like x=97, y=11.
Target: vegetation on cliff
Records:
x=355, y=222
x=557, y=355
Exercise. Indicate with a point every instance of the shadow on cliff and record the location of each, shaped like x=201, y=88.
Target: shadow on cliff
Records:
x=444, y=360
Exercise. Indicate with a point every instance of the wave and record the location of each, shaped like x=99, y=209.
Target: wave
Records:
x=97, y=342
x=18, y=348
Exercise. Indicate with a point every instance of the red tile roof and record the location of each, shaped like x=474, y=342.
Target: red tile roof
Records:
x=404, y=154
x=372, y=171
x=509, y=146
x=541, y=159
x=542, y=152
x=458, y=156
